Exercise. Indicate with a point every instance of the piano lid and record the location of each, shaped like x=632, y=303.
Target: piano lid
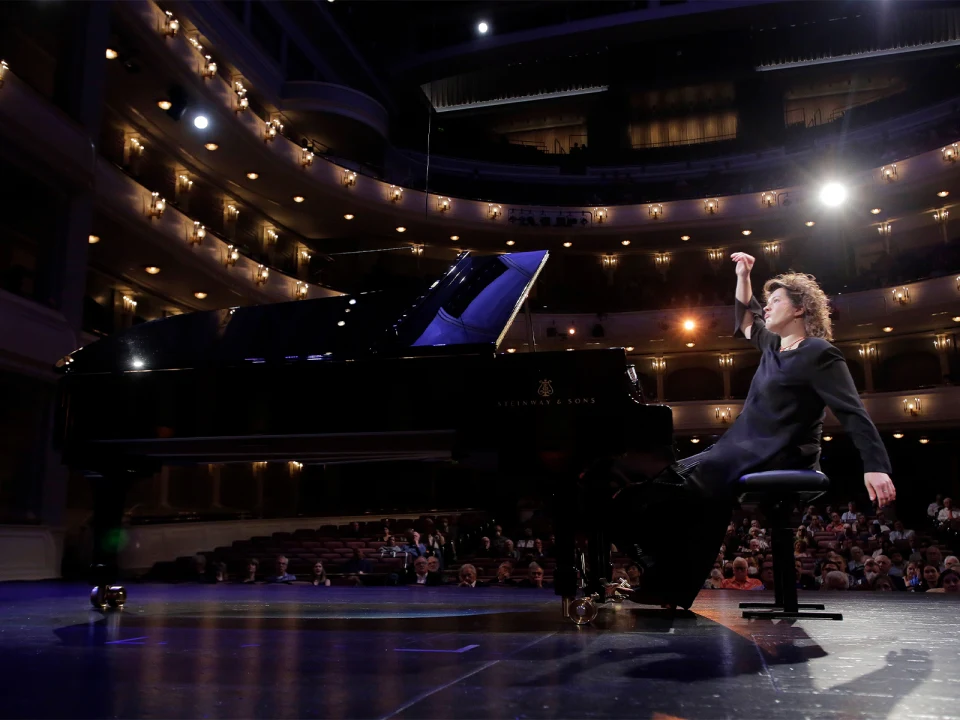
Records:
x=468, y=310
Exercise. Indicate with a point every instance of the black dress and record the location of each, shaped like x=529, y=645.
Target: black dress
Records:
x=782, y=418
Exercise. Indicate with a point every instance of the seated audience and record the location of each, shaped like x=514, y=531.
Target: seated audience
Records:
x=468, y=576
x=805, y=580
x=357, y=564
x=486, y=549
x=498, y=539
x=220, y=572
x=536, y=552
x=282, y=576
x=884, y=566
x=504, y=571
x=508, y=550
x=911, y=576
x=715, y=581
x=433, y=566
x=896, y=564
x=834, y=580
x=534, y=577
x=526, y=542
x=933, y=508
x=899, y=533
x=634, y=575
x=810, y=515
x=319, y=577
x=414, y=547
x=251, y=577
x=882, y=583
x=740, y=580
x=949, y=582
x=200, y=574
x=855, y=566
x=850, y=516
x=836, y=524
x=951, y=562
x=934, y=557
x=420, y=574
x=929, y=577
x=353, y=531
x=948, y=513
x=801, y=549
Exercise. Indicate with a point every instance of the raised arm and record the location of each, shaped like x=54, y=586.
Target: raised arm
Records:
x=744, y=288
x=748, y=313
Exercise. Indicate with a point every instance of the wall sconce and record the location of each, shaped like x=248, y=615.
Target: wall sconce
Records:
x=715, y=256
x=243, y=102
x=232, y=213
x=655, y=211
x=157, y=205
x=300, y=292
x=135, y=147
x=260, y=275
x=349, y=178
x=184, y=184
x=662, y=261
x=724, y=415
x=304, y=256
x=768, y=199
x=3, y=71
x=600, y=215
x=901, y=295
x=942, y=342
x=396, y=194
x=911, y=406
x=659, y=365
x=272, y=129
x=726, y=361
x=306, y=157
x=270, y=236
x=494, y=211
x=417, y=249
x=771, y=250
x=609, y=262
x=889, y=172
x=209, y=68
x=711, y=206
x=198, y=233
x=950, y=152
x=885, y=228
x=231, y=257
x=443, y=204
x=129, y=304
x=171, y=26
x=868, y=351
x=940, y=216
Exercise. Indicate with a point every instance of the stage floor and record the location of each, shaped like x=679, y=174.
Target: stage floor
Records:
x=232, y=651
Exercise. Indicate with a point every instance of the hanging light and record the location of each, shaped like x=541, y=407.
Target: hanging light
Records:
x=198, y=233
x=272, y=129
x=171, y=26
x=209, y=68
x=261, y=274
x=300, y=293
x=231, y=256
x=157, y=205
x=306, y=157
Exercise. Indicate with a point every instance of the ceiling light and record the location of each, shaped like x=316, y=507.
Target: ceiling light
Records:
x=956, y=318
x=137, y=363
x=211, y=146
x=943, y=193
x=482, y=28
x=684, y=237
x=112, y=54
x=252, y=175
x=568, y=244
x=629, y=348
x=511, y=242
x=827, y=438
x=511, y=350
x=888, y=329
x=93, y=239
x=454, y=237
x=695, y=440
x=401, y=229
x=152, y=269
x=165, y=104
x=341, y=323
x=200, y=295
x=624, y=242
x=348, y=216
x=833, y=194
x=809, y=223
x=875, y=211
x=200, y=122
x=298, y=198
x=924, y=441
x=571, y=331
x=898, y=435
x=689, y=325
x=746, y=232
x=691, y=344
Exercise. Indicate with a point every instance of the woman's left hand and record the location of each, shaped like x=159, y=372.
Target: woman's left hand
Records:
x=880, y=487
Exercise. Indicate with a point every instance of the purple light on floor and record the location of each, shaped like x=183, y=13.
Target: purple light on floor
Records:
x=464, y=649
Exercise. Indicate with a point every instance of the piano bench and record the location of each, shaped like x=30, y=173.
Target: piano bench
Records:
x=777, y=492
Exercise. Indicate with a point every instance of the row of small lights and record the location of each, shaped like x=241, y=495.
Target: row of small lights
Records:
x=832, y=194
x=829, y=438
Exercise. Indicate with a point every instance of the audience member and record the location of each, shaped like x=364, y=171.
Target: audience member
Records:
x=934, y=557
x=896, y=564
x=834, y=580
x=740, y=580
x=282, y=576
x=934, y=508
x=526, y=542
x=949, y=582
x=534, y=577
x=855, y=566
x=948, y=513
x=508, y=551
x=884, y=566
x=200, y=574
x=319, y=575
x=882, y=583
x=220, y=572
x=836, y=524
x=486, y=549
x=929, y=577
x=633, y=575
x=504, y=573
x=414, y=547
x=811, y=515
x=911, y=576
x=899, y=534
x=951, y=562
x=801, y=549
x=420, y=574
x=715, y=581
x=498, y=539
x=252, y=566
x=805, y=580
x=850, y=516
x=468, y=576
x=354, y=530
x=357, y=564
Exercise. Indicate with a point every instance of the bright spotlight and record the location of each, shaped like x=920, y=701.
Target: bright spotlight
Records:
x=200, y=122
x=482, y=28
x=833, y=194
x=137, y=363
x=689, y=325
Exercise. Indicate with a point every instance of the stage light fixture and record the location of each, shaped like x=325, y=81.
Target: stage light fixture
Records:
x=809, y=223
x=689, y=325
x=511, y=350
x=924, y=441
x=629, y=348
x=482, y=28
x=956, y=318
x=827, y=438
x=252, y=175
x=511, y=243
x=201, y=122
x=833, y=194
x=93, y=239
x=691, y=344
x=137, y=363
x=746, y=233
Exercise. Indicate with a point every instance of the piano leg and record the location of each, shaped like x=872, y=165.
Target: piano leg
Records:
x=566, y=577
x=109, y=500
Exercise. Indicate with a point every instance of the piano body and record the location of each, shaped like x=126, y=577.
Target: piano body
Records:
x=371, y=377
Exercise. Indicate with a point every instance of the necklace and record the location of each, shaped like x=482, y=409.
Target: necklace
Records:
x=792, y=345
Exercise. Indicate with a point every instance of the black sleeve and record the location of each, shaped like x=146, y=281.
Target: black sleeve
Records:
x=832, y=382
x=760, y=337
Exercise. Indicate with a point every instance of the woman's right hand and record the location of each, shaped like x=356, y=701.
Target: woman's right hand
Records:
x=744, y=263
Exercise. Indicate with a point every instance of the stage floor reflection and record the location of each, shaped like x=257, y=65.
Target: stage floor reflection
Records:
x=231, y=651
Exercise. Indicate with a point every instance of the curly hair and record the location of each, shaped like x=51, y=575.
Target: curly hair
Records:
x=803, y=291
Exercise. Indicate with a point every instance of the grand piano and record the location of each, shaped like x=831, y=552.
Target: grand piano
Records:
x=373, y=377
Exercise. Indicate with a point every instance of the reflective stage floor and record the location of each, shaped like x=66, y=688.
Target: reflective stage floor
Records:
x=233, y=651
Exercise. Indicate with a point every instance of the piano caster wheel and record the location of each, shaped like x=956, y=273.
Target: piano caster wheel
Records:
x=108, y=596
x=583, y=611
